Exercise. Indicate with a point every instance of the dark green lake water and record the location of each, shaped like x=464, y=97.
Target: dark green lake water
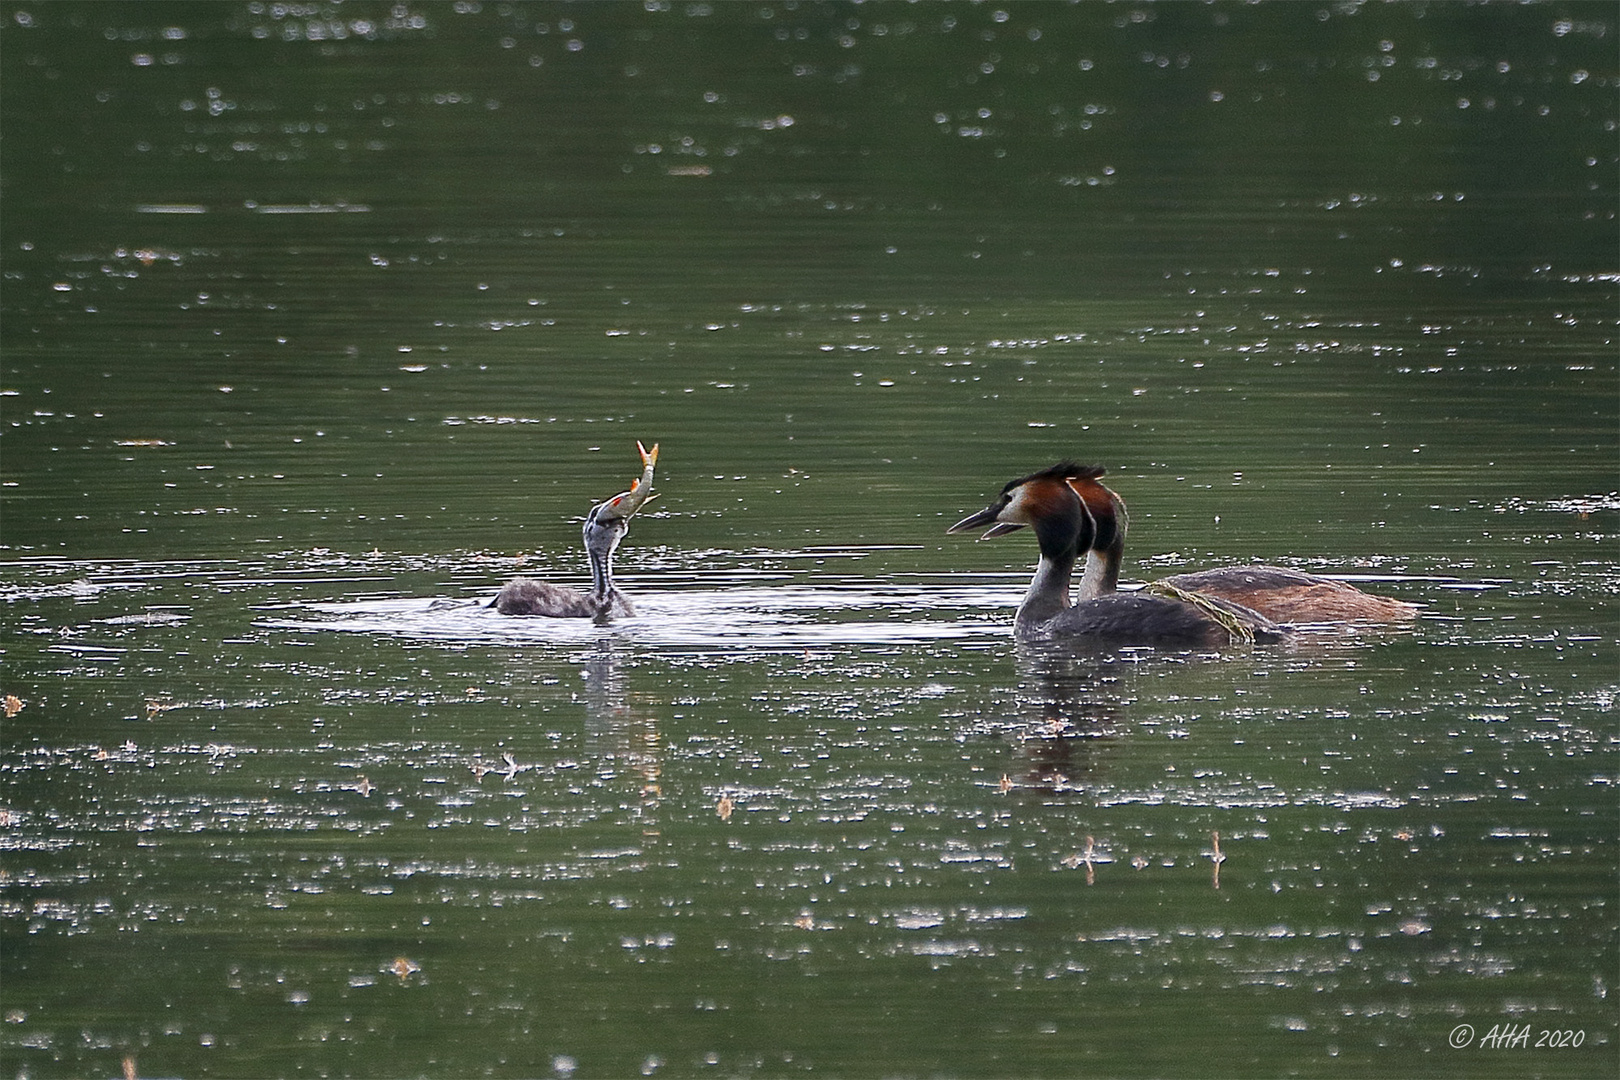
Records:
x=314, y=316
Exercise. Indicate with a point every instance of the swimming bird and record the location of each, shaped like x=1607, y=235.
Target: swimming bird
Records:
x=1049, y=504
x=605, y=526
x=1280, y=594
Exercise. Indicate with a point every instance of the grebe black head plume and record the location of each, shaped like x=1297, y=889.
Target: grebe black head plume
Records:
x=1063, y=470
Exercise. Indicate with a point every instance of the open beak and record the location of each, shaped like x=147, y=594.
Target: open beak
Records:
x=984, y=517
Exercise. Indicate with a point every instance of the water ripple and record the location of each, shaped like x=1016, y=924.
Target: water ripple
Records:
x=761, y=618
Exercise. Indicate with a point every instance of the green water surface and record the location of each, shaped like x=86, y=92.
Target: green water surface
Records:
x=319, y=319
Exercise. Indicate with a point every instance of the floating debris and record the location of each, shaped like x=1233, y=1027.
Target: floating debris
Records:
x=146, y=618
x=724, y=807
x=1216, y=857
x=1089, y=859
x=14, y=705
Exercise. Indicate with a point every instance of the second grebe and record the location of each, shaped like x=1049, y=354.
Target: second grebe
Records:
x=1280, y=594
x=1049, y=504
x=605, y=526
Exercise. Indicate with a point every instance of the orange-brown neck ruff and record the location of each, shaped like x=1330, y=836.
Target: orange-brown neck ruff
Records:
x=1101, y=504
x=1059, y=518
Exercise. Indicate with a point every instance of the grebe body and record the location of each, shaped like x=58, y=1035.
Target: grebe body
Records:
x=525, y=596
x=1280, y=594
x=605, y=526
x=1293, y=596
x=1144, y=619
x=1049, y=503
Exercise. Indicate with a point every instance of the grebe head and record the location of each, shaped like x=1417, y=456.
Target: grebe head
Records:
x=1107, y=510
x=604, y=529
x=1046, y=502
x=1107, y=552
x=609, y=521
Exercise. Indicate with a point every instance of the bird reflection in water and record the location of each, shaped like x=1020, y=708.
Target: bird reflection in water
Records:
x=622, y=738
x=1067, y=714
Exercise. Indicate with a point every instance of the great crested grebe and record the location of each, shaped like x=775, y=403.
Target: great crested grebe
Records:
x=1049, y=503
x=1281, y=595
x=605, y=526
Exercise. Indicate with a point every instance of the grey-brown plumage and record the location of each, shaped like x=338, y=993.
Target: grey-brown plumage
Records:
x=1293, y=596
x=1141, y=619
x=605, y=526
x=525, y=596
x=1281, y=595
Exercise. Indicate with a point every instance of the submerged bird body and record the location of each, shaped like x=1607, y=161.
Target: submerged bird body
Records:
x=1293, y=596
x=1050, y=503
x=605, y=526
x=1143, y=619
x=525, y=596
x=1280, y=594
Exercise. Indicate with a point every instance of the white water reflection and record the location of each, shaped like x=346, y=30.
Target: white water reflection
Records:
x=842, y=611
x=761, y=618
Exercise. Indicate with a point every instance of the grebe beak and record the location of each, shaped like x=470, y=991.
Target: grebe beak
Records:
x=984, y=517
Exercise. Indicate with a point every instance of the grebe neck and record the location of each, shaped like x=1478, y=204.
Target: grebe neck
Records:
x=1059, y=537
x=1107, y=550
x=601, y=572
x=600, y=543
x=1048, y=593
x=1101, y=575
